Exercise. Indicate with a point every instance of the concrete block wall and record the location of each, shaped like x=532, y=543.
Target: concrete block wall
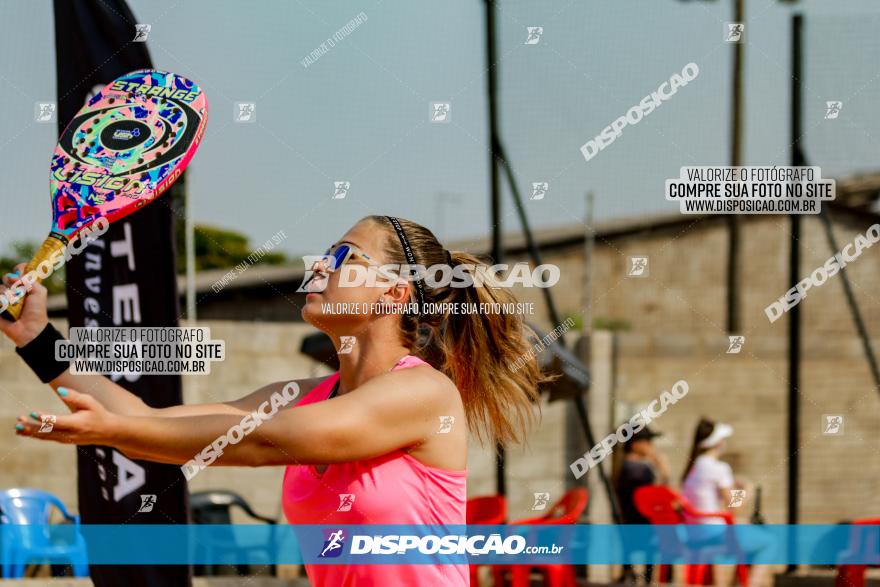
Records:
x=677, y=330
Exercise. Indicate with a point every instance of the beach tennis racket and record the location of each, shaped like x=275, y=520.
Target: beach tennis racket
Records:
x=123, y=149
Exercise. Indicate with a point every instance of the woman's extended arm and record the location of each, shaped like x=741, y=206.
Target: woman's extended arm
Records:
x=389, y=412
x=119, y=400
x=113, y=397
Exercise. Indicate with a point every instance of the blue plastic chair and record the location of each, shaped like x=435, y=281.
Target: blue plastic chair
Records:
x=32, y=508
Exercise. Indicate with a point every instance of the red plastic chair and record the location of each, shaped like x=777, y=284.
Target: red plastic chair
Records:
x=565, y=511
x=488, y=509
x=663, y=506
x=854, y=575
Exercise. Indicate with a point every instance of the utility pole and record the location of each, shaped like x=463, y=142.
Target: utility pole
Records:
x=497, y=245
x=734, y=221
x=794, y=315
x=587, y=299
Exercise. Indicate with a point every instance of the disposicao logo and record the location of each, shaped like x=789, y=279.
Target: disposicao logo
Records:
x=334, y=541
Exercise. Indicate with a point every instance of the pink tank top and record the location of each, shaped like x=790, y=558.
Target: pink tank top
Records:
x=395, y=488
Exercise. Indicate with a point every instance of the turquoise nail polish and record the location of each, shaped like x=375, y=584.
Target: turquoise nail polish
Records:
x=35, y=416
x=62, y=391
x=12, y=275
x=19, y=426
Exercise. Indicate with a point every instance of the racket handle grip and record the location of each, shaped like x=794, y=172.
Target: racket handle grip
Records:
x=46, y=255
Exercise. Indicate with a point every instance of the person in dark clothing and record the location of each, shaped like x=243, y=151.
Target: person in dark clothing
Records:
x=642, y=465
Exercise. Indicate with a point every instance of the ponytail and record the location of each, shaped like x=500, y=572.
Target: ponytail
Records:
x=703, y=431
x=487, y=355
x=480, y=351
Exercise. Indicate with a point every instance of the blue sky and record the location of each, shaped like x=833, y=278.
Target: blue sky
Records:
x=360, y=113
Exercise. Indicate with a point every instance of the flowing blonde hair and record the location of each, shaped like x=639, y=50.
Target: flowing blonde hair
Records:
x=476, y=351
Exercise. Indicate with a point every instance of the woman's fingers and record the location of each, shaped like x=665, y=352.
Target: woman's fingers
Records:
x=33, y=318
x=36, y=302
x=77, y=401
x=51, y=426
x=88, y=422
x=14, y=275
x=43, y=427
x=10, y=278
x=68, y=429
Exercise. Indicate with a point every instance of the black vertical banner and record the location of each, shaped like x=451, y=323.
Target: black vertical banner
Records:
x=126, y=278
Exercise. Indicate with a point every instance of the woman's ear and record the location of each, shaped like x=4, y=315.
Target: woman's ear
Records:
x=397, y=293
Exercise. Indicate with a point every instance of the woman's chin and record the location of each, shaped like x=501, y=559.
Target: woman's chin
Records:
x=311, y=310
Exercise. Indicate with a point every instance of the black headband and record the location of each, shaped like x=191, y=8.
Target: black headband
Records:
x=410, y=258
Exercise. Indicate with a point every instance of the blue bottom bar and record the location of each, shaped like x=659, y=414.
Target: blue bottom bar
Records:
x=500, y=544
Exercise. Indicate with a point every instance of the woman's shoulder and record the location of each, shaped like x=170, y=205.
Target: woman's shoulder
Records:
x=712, y=464
x=413, y=371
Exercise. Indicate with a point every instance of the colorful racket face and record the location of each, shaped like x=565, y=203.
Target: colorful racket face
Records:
x=125, y=147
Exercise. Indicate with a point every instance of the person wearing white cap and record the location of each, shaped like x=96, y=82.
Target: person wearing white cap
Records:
x=708, y=480
x=707, y=485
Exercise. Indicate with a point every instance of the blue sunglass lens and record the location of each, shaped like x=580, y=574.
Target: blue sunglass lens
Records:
x=339, y=255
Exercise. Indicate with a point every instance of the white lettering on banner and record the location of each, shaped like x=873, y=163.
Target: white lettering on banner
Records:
x=93, y=260
x=130, y=476
x=126, y=304
x=93, y=284
x=124, y=248
x=126, y=297
x=102, y=471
